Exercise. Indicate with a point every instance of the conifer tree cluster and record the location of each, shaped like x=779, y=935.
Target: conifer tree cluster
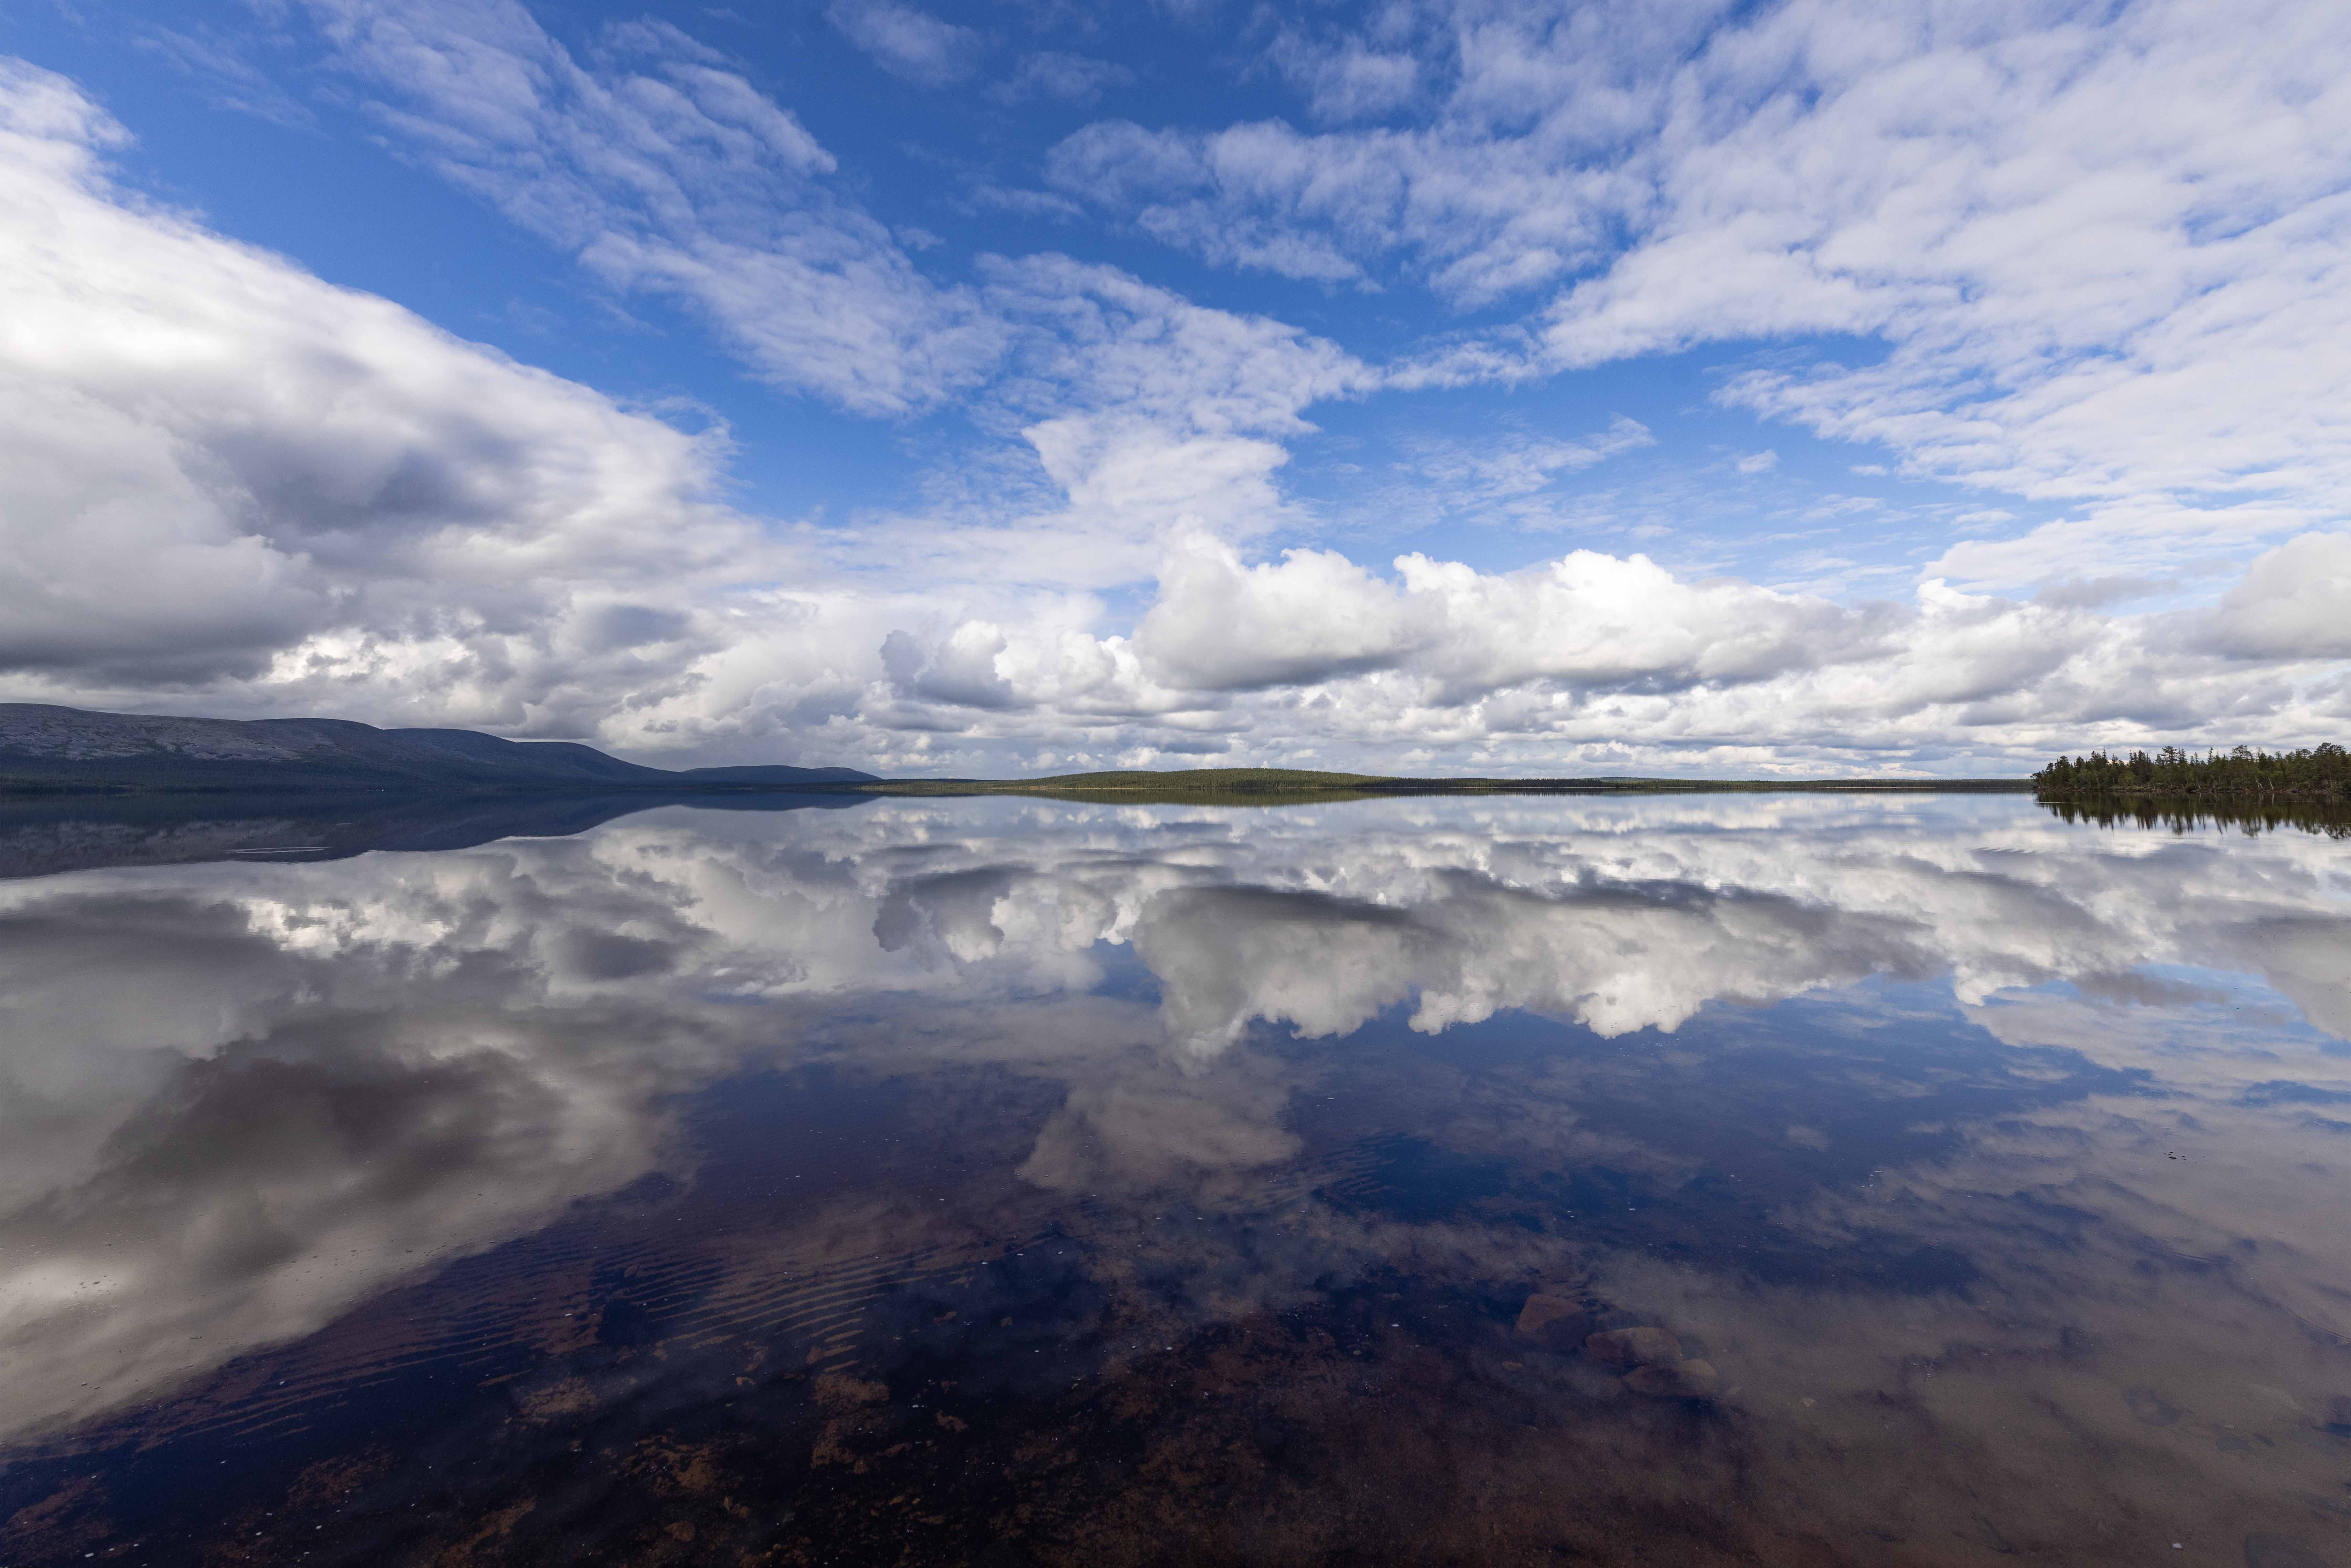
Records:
x=2319, y=772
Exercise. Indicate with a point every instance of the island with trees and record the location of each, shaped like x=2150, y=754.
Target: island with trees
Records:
x=2318, y=773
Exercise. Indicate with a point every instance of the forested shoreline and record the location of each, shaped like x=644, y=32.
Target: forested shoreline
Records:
x=2321, y=772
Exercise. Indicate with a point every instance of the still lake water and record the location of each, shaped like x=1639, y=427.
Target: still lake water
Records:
x=1004, y=1182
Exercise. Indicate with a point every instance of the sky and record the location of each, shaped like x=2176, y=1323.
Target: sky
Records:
x=1818, y=388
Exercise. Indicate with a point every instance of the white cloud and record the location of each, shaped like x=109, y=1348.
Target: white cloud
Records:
x=680, y=179
x=1347, y=79
x=326, y=505
x=1510, y=479
x=1602, y=663
x=1759, y=463
x=1140, y=407
x=1221, y=625
x=1050, y=73
x=275, y=494
x=907, y=42
x=219, y=468
x=2293, y=603
x=2155, y=536
x=1519, y=465
x=1586, y=620
x=1252, y=196
x=2082, y=300
x=230, y=480
x=1148, y=413
x=235, y=81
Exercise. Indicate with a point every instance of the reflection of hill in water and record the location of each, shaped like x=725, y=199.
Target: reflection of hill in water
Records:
x=41, y=837
x=2311, y=817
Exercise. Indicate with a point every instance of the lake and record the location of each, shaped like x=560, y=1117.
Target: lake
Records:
x=1684, y=1179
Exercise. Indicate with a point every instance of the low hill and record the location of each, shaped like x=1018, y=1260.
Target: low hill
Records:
x=45, y=748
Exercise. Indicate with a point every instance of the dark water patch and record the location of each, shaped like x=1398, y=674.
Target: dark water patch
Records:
x=1418, y=1182
x=1763, y=1111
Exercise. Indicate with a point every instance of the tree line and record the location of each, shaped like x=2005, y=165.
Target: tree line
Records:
x=2321, y=772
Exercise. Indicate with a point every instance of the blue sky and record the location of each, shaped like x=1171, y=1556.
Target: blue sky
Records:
x=1681, y=388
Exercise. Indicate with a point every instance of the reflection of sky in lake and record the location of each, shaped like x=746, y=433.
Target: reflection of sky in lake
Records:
x=678, y=1183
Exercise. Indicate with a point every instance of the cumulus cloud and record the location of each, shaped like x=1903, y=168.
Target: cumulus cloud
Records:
x=226, y=477
x=2293, y=603
x=1317, y=614
x=960, y=670
x=1600, y=662
x=1585, y=621
x=220, y=467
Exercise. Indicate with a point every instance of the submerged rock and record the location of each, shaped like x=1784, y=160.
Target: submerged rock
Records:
x=1554, y=1321
x=2264, y=1551
x=1674, y=1380
x=1540, y=1310
x=1632, y=1347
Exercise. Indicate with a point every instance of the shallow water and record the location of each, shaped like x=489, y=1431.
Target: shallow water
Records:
x=1006, y=1182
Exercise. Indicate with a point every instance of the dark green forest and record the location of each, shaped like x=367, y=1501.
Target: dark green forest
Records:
x=2319, y=773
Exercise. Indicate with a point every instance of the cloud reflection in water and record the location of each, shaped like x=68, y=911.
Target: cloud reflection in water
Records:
x=242, y=1099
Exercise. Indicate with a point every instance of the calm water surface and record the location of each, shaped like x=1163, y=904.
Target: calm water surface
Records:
x=1003, y=1181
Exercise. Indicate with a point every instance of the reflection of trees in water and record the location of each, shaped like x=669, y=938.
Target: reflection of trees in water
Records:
x=2332, y=820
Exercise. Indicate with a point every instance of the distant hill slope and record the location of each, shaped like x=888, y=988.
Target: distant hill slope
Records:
x=47, y=748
